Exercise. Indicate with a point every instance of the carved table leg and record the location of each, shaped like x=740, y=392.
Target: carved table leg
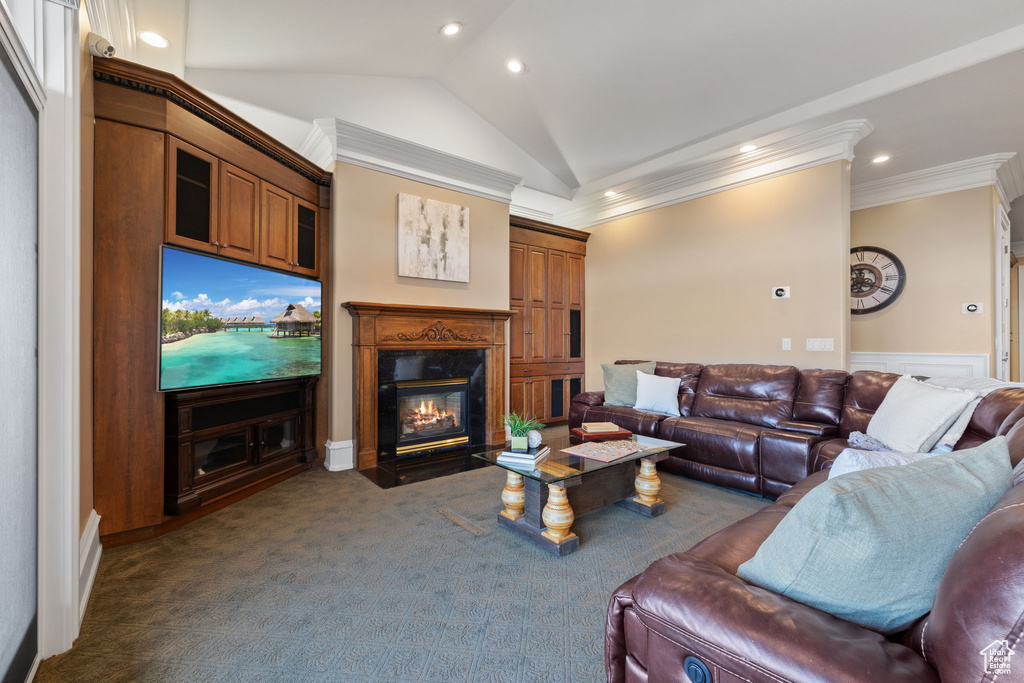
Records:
x=648, y=486
x=558, y=516
x=513, y=496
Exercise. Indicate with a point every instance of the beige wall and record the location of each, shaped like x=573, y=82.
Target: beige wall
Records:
x=86, y=469
x=946, y=244
x=693, y=281
x=364, y=263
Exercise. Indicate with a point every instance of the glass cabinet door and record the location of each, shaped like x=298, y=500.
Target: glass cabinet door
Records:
x=278, y=437
x=218, y=454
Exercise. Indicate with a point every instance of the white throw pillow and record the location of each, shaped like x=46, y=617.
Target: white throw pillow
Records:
x=855, y=460
x=914, y=415
x=657, y=394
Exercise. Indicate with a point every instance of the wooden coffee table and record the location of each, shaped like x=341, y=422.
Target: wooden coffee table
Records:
x=537, y=504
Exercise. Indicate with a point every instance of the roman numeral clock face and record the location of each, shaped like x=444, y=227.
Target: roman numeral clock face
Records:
x=876, y=279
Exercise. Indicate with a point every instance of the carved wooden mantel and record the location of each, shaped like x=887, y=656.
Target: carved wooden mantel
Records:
x=389, y=326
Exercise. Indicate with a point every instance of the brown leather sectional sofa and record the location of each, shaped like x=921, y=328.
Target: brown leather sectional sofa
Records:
x=752, y=427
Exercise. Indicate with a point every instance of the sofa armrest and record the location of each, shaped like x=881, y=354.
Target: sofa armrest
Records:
x=813, y=428
x=590, y=398
x=615, y=632
x=697, y=607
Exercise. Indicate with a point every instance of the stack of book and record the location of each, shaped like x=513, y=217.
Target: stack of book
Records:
x=598, y=431
x=528, y=459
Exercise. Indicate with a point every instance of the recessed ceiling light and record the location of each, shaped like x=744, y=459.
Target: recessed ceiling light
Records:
x=610, y=193
x=451, y=29
x=748, y=148
x=879, y=160
x=154, y=39
x=514, y=65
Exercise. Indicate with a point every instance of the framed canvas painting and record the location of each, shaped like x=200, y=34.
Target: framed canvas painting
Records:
x=433, y=239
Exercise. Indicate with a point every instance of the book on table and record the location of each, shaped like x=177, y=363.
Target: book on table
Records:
x=578, y=433
x=529, y=458
x=597, y=427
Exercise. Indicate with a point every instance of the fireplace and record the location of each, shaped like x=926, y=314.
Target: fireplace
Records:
x=453, y=356
x=429, y=400
x=432, y=414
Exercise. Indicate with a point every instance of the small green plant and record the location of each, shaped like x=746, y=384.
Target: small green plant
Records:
x=520, y=426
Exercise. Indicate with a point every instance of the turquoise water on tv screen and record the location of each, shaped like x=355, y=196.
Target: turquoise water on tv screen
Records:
x=236, y=356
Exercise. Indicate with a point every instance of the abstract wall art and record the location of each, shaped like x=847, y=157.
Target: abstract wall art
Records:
x=433, y=239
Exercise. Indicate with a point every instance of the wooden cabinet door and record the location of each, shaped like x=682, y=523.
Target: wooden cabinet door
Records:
x=239, y=213
x=537, y=393
x=517, y=337
x=536, y=334
x=275, y=227
x=537, y=276
x=558, y=286
x=191, y=213
x=306, y=247
x=558, y=340
x=576, y=280
x=517, y=275
x=517, y=399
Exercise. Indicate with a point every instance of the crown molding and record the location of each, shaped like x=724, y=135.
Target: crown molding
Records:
x=822, y=146
x=1003, y=171
x=378, y=151
x=527, y=212
x=1018, y=249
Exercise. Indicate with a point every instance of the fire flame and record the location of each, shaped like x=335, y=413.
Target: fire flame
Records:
x=428, y=414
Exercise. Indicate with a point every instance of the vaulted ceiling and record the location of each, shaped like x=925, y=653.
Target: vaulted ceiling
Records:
x=612, y=91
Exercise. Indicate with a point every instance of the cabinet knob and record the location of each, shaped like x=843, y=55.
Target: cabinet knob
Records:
x=216, y=244
x=263, y=443
x=251, y=445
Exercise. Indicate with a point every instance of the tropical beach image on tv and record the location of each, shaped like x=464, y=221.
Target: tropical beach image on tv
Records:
x=224, y=323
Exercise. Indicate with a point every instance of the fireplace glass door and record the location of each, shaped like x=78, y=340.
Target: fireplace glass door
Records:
x=432, y=414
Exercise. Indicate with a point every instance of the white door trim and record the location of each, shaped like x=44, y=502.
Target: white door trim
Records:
x=1002, y=298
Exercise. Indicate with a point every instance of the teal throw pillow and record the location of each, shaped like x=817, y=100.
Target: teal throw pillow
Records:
x=871, y=546
x=620, y=382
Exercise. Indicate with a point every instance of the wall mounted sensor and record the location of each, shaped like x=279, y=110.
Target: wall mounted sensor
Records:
x=100, y=46
x=780, y=292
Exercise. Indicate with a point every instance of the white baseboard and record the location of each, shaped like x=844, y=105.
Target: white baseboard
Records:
x=340, y=456
x=89, y=551
x=924, y=364
x=35, y=667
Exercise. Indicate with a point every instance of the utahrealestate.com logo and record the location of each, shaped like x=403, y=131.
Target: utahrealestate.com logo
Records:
x=997, y=658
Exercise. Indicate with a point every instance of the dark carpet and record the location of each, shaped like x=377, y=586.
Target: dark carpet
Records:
x=327, y=577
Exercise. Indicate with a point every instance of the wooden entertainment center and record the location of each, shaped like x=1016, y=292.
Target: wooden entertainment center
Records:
x=174, y=167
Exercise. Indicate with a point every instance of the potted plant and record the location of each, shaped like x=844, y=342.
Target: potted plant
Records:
x=519, y=430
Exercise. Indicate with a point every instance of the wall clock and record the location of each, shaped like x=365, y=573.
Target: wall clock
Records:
x=876, y=279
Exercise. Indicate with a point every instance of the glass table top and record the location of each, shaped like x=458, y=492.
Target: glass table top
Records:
x=560, y=466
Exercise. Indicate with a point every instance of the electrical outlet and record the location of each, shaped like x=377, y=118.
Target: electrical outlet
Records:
x=780, y=292
x=972, y=309
x=787, y=344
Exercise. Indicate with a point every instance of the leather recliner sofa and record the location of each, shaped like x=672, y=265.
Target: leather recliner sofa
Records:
x=757, y=428
x=691, y=607
x=690, y=610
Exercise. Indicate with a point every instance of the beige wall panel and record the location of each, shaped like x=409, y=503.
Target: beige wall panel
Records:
x=364, y=263
x=946, y=244
x=693, y=281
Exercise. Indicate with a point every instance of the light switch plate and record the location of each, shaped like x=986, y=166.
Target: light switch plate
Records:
x=781, y=292
x=972, y=309
x=787, y=344
x=820, y=344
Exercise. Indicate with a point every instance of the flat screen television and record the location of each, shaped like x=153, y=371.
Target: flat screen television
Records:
x=223, y=322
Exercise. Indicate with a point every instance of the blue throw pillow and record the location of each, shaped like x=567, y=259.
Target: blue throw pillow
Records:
x=871, y=546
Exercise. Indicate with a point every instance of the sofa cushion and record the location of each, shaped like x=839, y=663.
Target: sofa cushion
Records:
x=636, y=421
x=755, y=394
x=855, y=533
x=722, y=443
x=819, y=396
x=865, y=391
x=657, y=394
x=688, y=374
x=620, y=383
x=825, y=453
x=913, y=416
x=997, y=413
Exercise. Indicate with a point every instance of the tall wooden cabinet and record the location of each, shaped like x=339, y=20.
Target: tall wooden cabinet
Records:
x=174, y=167
x=547, y=272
